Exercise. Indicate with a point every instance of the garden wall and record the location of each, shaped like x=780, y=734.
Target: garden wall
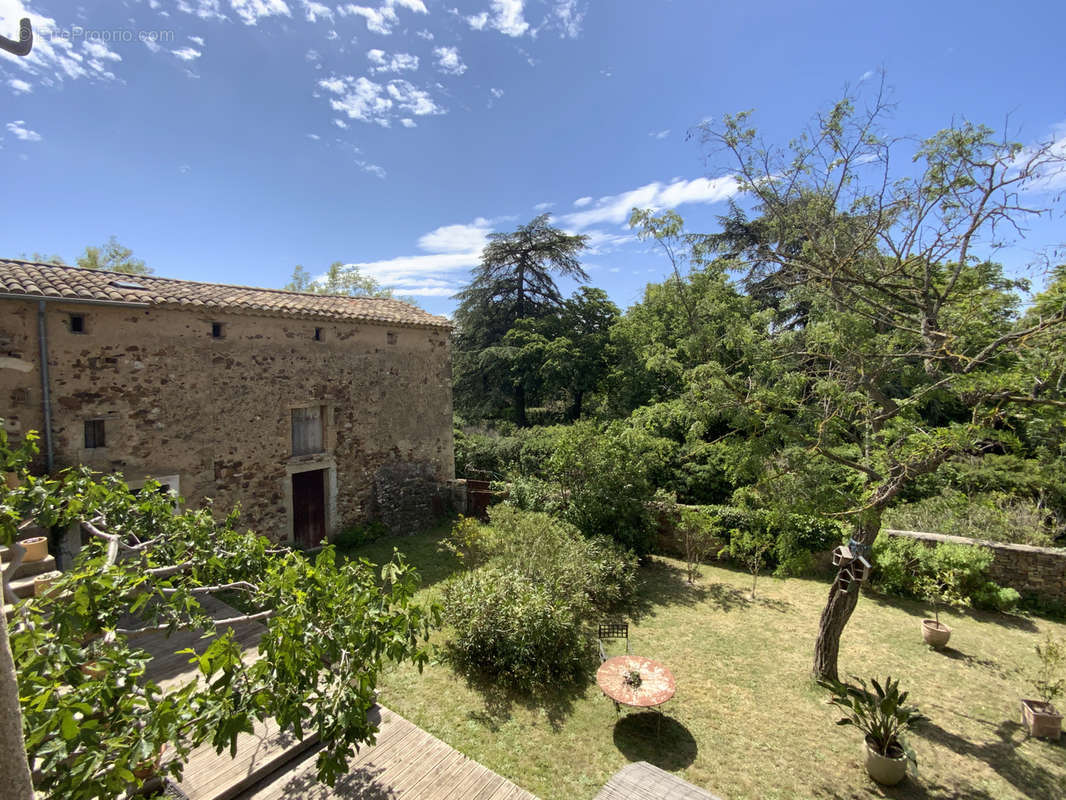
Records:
x=1039, y=571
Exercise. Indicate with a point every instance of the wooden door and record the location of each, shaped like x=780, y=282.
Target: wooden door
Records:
x=309, y=507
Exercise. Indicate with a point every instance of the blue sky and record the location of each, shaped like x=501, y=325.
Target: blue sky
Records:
x=229, y=140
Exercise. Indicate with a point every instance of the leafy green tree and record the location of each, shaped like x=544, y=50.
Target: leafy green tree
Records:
x=340, y=278
x=113, y=257
x=43, y=258
x=88, y=714
x=565, y=354
x=910, y=345
x=513, y=282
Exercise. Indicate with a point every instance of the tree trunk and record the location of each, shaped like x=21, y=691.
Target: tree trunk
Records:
x=575, y=409
x=14, y=768
x=840, y=605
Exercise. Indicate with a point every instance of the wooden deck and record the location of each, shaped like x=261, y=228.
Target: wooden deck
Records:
x=643, y=781
x=406, y=763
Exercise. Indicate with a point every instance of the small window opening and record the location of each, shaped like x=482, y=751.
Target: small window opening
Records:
x=95, y=434
x=318, y=334
x=77, y=323
x=216, y=330
x=391, y=337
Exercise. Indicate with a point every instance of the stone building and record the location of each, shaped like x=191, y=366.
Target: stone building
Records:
x=311, y=412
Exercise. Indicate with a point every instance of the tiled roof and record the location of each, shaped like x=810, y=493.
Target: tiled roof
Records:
x=74, y=283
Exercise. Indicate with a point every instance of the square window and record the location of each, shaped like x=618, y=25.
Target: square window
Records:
x=77, y=323
x=391, y=337
x=216, y=330
x=95, y=434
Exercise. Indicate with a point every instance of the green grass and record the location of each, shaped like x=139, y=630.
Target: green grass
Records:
x=747, y=721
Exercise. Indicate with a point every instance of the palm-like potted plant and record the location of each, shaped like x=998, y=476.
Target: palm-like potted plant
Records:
x=1040, y=716
x=883, y=716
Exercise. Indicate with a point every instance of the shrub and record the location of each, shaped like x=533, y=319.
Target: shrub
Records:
x=992, y=515
x=356, y=535
x=516, y=630
x=605, y=478
x=519, y=616
x=901, y=566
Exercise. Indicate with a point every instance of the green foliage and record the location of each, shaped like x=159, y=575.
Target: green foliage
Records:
x=882, y=715
x=902, y=565
x=357, y=535
x=524, y=451
x=513, y=284
x=330, y=624
x=605, y=477
x=995, y=515
x=518, y=614
x=340, y=278
x=1049, y=681
x=699, y=531
x=750, y=547
x=113, y=257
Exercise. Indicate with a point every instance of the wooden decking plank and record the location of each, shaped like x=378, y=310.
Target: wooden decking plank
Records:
x=425, y=774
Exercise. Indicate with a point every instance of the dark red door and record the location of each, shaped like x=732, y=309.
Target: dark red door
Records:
x=309, y=507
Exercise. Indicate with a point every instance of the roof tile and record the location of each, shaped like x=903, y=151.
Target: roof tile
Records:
x=74, y=283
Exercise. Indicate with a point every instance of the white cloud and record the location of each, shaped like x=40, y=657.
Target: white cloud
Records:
x=197, y=40
x=478, y=21
x=397, y=62
x=602, y=242
x=543, y=206
x=457, y=238
x=659, y=134
x=866, y=76
x=382, y=20
x=504, y=16
x=363, y=99
x=567, y=18
x=251, y=11
x=424, y=34
x=616, y=208
x=19, y=86
x=313, y=137
x=151, y=45
x=497, y=93
x=316, y=11
x=581, y=202
x=507, y=17
x=1052, y=176
x=407, y=122
x=374, y=169
x=448, y=60
x=19, y=130
x=187, y=53
x=340, y=123
x=204, y=9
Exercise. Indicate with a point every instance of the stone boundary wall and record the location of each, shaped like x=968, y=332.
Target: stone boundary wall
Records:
x=1039, y=571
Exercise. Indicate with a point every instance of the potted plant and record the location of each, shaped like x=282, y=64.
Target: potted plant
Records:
x=941, y=588
x=883, y=716
x=36, y=548
x=1040, y=716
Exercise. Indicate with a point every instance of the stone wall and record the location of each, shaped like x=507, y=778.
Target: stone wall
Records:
x=1033, y=571
x=216, y=413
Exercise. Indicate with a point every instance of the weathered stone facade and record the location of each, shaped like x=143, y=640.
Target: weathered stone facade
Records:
x=1032, y=571
x=214, y=414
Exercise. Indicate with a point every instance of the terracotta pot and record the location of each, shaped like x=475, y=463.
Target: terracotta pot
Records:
x=43, y=581
x=884, y=770
x=1041, y=719
x=150, y=766
x=36, y=548
x=935, y=633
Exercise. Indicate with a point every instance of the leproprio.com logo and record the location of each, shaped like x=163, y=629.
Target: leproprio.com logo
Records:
x=77, y=33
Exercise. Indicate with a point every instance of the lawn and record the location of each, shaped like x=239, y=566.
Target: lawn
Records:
x=747, y=722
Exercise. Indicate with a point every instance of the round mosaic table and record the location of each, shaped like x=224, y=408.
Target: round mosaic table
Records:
x=656, y=681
